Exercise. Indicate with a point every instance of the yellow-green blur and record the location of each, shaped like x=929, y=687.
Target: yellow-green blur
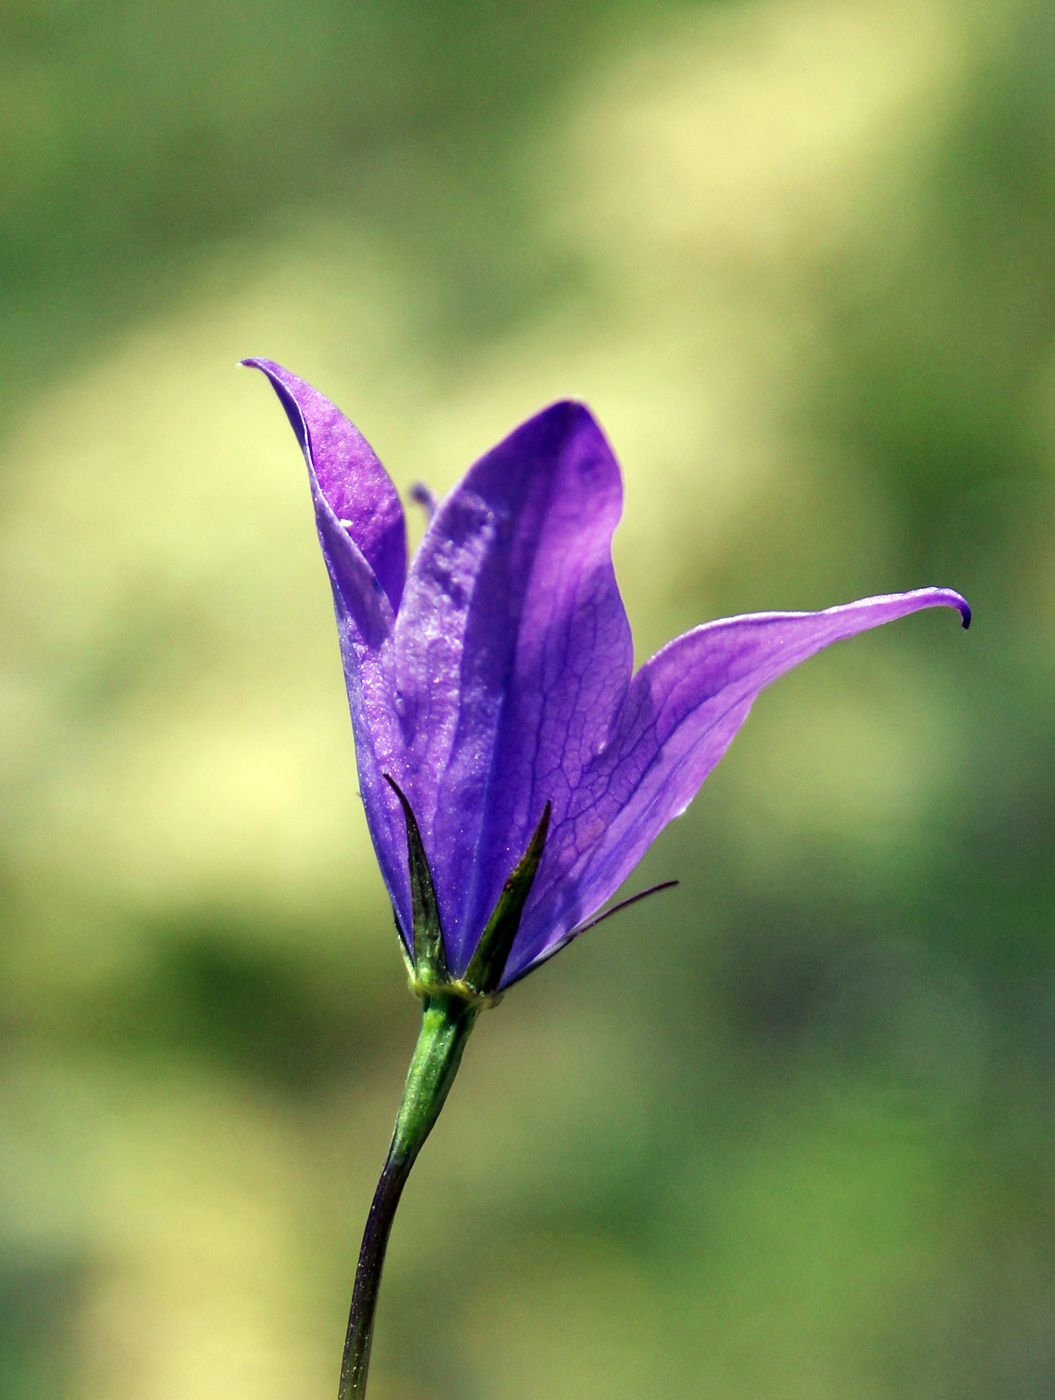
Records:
x=785, y=1133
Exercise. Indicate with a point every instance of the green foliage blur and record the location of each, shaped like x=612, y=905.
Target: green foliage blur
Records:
x=786, y=1132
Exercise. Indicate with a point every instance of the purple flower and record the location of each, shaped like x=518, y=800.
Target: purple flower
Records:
x=492, y=682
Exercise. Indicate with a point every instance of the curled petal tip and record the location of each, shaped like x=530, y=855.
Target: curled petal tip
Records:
x=958, y=601
x=945, y=597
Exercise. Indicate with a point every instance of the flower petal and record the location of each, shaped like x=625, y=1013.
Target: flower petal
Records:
x=682, y=711
x=357, y=486
x=352, y=481
x=513, y=655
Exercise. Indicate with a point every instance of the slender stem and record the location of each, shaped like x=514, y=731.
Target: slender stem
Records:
x=445, y=1025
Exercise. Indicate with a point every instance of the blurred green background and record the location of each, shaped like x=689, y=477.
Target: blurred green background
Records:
x=785, y=1133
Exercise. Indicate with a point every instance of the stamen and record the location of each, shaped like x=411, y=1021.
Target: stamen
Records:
x=424, y=496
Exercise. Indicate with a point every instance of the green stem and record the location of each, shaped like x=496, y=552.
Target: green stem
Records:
x=445, y=1025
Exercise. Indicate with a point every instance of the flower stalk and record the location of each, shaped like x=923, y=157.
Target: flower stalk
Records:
x=446, y=1022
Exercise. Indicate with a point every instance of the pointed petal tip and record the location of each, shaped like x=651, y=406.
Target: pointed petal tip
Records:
x=273, y=371
x=349, y=481
x=286, y=398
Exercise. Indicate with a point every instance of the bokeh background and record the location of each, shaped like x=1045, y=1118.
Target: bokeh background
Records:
x=787, y=1132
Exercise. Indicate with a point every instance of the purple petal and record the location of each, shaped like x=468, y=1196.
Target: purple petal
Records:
x=353, y=482
x=513, y=655
x=682, y=711
x=355, y=513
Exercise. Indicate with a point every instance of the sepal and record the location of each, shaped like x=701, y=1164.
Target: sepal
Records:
x=484, y=973
x=430, y=955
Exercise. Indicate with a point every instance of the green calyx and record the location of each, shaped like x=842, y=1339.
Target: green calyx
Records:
x=429, y=974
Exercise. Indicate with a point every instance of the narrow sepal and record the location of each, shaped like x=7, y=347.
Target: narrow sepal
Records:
x=589, y=924
x=430, y=958
x=484, y=973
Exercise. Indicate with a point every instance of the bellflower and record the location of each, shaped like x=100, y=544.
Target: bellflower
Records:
x=513, y=766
